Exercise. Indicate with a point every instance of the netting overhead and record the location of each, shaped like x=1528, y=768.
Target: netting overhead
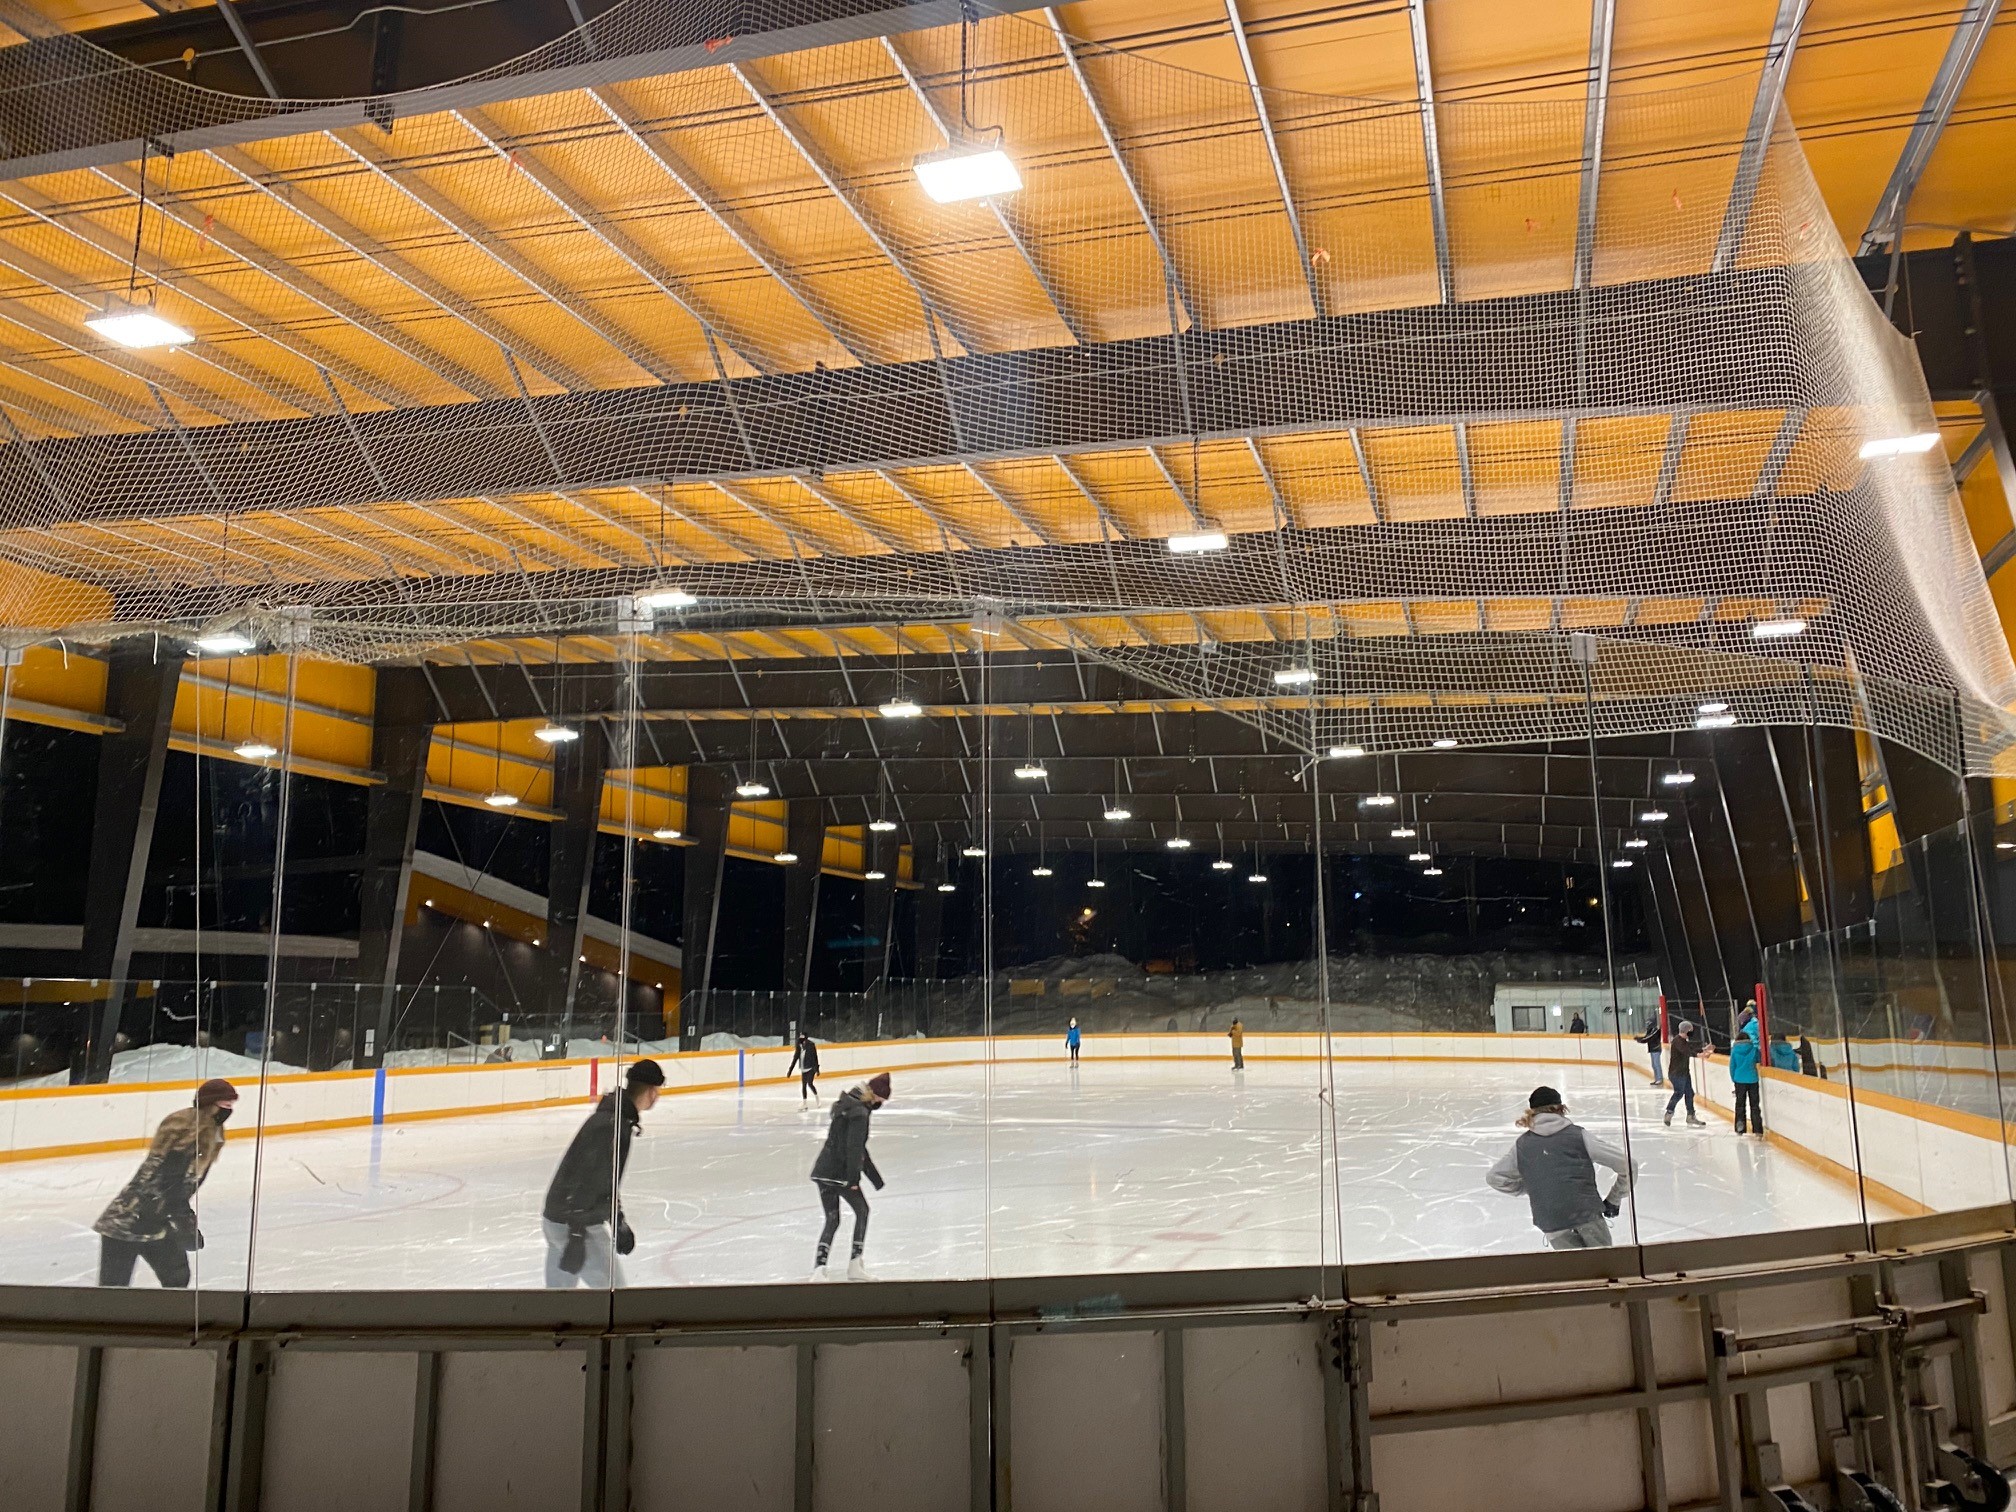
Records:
x=1451, y=382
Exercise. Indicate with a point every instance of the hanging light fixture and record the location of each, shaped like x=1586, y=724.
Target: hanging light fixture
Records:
x=1177, y=842
x=882, y=826
x=1221, y=864
x=752, y=789
x=1198, y=543
x=1346, y=752
x=972, y=166
x=658, y=600
x=502, y=800
x=255, y=749
x=974, y=850
x=131, y=321
x=225, y=642
x=665, y=833
x=555, y=734
x=874, y=874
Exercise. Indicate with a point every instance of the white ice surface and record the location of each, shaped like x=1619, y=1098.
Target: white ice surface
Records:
x=1118, y=1166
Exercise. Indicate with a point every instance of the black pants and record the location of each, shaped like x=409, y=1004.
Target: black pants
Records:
x=830, y=1193
x=1074, y=1055
x=805, y=1087
x=1746, y=1095
x=165, y=1257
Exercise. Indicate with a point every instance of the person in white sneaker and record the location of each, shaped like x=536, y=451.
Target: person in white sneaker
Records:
x=842, y=1162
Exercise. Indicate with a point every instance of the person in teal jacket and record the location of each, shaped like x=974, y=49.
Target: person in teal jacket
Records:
x=1744, y=1055
x=1783, y=1056
x=1071, y=1041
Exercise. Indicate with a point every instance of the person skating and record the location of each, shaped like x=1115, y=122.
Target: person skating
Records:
x=1744, y=1055
x=153, y=1219
x=1071, y=1041
x=583, y=1218
x=1576, y=1024
x=843, y=1161
x=806, y=1056
x=1783, y=1056
x=1809, y=1063
x=1554, y=1164
x=1652, y=1039
x=1237, y=1034
x=1680, y=1073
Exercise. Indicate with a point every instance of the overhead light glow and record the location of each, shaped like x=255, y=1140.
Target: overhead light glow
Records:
x=1714, y=721
x=555, y=734
x=1378, y=800
x=666, y=833
x=1431, y=871
x=1095, y=882
x=502, y=800
x=1203, y=540
x=1653, y=816
x=1677, y=779
x=2005, y=845
x=901, y=708
x=1345, y=753
x=974, y=850
x=948, y=887
x=875, y=876
x=785, y=858
x=1032, y=772
x=1445, y=744
x=1636, y=844
x=1178, y=843
x=1257, y=877
x=255, y=750
x=658, y=600
x=1403, y=832
x=949, y=177
x=1294, y=677
x=1777, y=629
x=137, y=326
x=882, y=826
x=1221, y=864
x=1419, y=856
x=1898, y=446
x=752, y=790
x=225, y=643
x=1620, y=863
x=1117, y=813
x=1711, y=708
x=1041, y=871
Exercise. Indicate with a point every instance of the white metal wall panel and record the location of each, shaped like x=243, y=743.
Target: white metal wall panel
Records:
x=1580, y=1464
x=1427, y=1363
x=713, y=1427
x=1085, y=1422
x=153, y=1446
x=509, y=1430
x=339, y=1431
x=1253, y=1419
x=891, y=1428
x=36, y=1385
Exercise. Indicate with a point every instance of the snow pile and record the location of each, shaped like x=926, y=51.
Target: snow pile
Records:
x=174, y=1063
x=734, y=1042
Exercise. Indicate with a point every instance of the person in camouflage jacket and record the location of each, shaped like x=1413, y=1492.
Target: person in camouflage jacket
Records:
x=153, y=1219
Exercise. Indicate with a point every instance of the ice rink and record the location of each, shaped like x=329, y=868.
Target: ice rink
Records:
x=1032, y=1170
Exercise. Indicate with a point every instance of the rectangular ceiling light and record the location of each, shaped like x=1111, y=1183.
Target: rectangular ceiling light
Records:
x=137, y=326
x=1898, y=446
x=949, y=177
x=1204, y=540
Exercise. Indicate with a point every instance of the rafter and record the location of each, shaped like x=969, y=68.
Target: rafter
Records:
x=1970, y=32
x=1431, y=147
x=1267, y=137
x=1778, y=53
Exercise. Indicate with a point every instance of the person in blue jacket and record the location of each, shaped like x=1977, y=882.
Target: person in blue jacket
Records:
x=1744, y=1055
x=1071, y=1041
x=1783, y=1056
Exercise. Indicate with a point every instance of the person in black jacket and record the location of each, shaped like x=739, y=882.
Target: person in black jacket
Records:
x=581, y=1205
x=842, y=1162
x=806, y=1055
x=1653, y=1040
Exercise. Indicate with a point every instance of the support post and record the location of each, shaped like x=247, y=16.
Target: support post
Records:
x=707, y=828
x=402, y=732
x=878, y=911
x=578, y=770
x=927, y=871
x=805, y=837
x=140, y=690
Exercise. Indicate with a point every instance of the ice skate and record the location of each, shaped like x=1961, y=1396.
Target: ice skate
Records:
x=856, y=1271
x=1669, y=1118
x=819, y=1273
x=1696, y=1123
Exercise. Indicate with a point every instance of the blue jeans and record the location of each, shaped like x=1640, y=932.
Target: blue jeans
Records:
x=1656, y=1077
x=1683, y=1086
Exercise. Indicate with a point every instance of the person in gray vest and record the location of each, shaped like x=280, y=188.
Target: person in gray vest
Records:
x=1554, y=1163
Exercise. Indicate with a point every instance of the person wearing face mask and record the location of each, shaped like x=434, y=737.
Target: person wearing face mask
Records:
x=153, y=1218
x=843, y=1161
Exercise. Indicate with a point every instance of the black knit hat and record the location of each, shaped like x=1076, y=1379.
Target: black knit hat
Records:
x=1544, y=1097
x=645, y=1073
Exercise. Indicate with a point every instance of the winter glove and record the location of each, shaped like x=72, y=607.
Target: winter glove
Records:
x=626, y=1237
x=183, y=1231
x=1611, y=1207
x=876, y=1177
x=575, y=1255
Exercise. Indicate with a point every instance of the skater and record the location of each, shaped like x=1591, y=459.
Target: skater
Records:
x=1744, y=1055
x=583, y=1218
x=1237, y=1034
x=805, y=1055
x=1652, y=1040
x=1783, y=1056
x=1680, y=1075
x=843, y=1161
x=1071, y=1041
x=1554, y=1164
x=1575, y=1025
x=152, y=1219
x=1809, y=1063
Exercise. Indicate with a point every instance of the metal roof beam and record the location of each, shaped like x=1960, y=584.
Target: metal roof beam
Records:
x=1431, y=147
x=1267, y=137
x=1886, y=221
x=1778, y=54
x=1595, y=116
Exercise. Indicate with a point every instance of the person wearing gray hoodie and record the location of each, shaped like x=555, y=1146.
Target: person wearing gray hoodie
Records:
x=1554, y=1165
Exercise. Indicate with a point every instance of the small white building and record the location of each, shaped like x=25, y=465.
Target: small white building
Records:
x=1550, y=1007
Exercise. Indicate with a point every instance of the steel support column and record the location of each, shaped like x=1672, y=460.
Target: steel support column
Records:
x=578, y=770
x=878, y=910
x=141, y=680
x=401, y=735
x=928, y=916
x=805, y=831
x=707, y=829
